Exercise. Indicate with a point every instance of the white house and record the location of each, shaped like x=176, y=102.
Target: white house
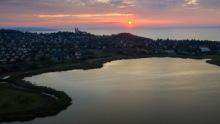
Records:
x=78, y=54
x=204, y=49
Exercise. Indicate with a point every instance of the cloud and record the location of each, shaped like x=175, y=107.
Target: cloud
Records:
x=108, y=3
x=84, y=15
x=191, y=3
x=102, y=1
x=190, y=11
x=77, y=2
x=210, y=3
x=159, y=4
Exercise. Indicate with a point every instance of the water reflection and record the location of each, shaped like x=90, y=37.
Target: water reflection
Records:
x=141, y=91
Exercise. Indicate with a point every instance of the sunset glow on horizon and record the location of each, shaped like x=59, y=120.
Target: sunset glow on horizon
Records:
x=109, y=13
x=130, y=22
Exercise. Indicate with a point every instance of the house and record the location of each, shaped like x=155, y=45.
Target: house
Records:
x=29, y=59
x=16, y=57
x=3, y=61
x=78, y=54
x=218, y=52
x=60, y=38
x=159, y=50
x=205, y=49
x=60, y=56
x=169, y=51
x=12, y=60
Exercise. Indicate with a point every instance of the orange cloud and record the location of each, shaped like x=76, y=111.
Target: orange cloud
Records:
x=84, y=15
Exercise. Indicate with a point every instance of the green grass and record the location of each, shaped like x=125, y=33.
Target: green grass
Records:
x=103, y=54
x=36, y=106
x=21, y=104
x=12, y=100
x=215, y=59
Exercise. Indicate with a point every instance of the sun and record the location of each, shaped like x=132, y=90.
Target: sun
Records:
x=130, y=22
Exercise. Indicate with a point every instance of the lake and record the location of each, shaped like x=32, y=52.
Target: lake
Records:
x=138, y=91
x=154, y=33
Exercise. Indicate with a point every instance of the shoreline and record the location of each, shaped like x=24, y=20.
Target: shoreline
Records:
x=63, y=99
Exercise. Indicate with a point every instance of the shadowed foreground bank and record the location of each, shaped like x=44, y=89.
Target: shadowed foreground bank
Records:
x=26, y=101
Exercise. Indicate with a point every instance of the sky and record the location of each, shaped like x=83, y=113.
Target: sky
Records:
x=109, y=13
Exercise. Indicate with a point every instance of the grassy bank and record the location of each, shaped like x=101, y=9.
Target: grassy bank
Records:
x=20, y=104
x=214, y=60
x=64, y=101
x=49, y=109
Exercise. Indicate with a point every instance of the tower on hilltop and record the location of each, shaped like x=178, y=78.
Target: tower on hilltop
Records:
x=77, y=30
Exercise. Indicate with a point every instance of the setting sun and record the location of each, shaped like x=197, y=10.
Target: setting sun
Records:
x=130, y=22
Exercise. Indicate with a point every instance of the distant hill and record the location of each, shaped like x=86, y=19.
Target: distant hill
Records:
x=9, y=31
x=28, y=29
x=129, y=36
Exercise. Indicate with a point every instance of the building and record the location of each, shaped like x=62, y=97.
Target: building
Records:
x=3, y=61
x=78, y=54
x=77, y=31
x=169, y=51
x=60, y=56
x=218, y=52
x=205, y=49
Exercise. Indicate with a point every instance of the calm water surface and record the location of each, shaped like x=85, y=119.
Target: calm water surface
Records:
x=138, y=91
x=164, y=33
